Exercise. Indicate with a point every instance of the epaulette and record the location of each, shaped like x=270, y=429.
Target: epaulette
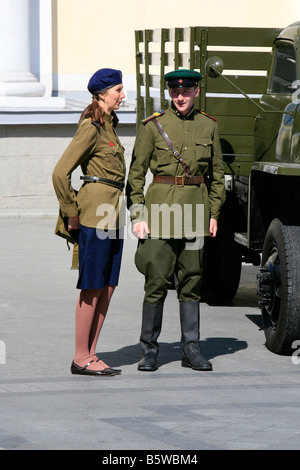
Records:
x=153, y=116
x=207, y=115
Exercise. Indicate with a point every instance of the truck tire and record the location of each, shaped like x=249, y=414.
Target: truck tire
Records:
x=279, y=286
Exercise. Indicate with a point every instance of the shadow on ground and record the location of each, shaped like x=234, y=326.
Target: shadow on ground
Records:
x=170, y=352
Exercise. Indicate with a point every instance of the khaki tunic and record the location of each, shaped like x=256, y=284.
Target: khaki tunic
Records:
x=99, y=153
x=195, y=137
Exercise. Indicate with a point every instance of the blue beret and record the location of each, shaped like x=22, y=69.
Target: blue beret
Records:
x=183, y=78
x=103, y=79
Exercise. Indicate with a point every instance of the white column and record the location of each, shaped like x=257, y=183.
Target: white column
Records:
x=45, y=8
x=15, y=76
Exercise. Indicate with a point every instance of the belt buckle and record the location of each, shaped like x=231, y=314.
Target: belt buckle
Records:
x=179, y=181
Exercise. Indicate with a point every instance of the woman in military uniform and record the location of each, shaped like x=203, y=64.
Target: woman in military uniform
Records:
x=96, y=212
x=182, y=149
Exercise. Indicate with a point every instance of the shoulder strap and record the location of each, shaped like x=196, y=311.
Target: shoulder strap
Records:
x=153, y=116
x=208, y=116
x=176, y=154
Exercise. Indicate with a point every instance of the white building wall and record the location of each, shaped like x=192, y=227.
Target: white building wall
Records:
x=93, y=34
x=28, y=154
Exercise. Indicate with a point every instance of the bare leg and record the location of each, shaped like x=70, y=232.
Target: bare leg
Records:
x=91, y=310
x=99, y=317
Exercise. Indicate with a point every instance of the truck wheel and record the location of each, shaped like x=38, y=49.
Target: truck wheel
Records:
x=278, y=286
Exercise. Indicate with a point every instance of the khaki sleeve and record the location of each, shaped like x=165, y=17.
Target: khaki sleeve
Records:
x=80, y=148
x=140, y=162
x=217, y=187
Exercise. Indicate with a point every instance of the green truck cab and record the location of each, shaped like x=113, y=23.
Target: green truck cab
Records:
x=252, y=87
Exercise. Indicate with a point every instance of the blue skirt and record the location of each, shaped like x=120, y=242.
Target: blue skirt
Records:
x=100, y=254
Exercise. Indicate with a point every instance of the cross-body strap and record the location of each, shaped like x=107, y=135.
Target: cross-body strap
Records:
x=176, y=154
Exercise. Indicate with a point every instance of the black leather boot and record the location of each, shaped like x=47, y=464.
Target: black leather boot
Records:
x=151, y=328
x=190, y=326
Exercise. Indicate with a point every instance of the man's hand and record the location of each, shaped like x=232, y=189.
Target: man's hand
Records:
x=140, y=230
x=213, y=227
x=73, y=223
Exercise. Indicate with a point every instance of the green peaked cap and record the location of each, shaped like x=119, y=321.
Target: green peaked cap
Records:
x=183, y=78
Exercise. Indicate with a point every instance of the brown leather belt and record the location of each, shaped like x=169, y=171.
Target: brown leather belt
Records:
x=178, y=180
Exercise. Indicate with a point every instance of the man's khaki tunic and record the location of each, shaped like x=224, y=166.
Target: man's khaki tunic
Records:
x=195, y=137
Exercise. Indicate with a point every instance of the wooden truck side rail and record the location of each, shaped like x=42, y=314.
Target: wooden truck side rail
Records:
x=246, y=53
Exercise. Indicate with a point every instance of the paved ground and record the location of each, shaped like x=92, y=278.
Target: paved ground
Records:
x=250, y=401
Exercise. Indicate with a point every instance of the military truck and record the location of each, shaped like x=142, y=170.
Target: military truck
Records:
x=251, y=85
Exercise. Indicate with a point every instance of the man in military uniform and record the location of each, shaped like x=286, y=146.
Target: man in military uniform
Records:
x=182, y=149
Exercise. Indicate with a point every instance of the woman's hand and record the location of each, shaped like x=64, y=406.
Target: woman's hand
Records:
x=73, y=223
x=140, y=230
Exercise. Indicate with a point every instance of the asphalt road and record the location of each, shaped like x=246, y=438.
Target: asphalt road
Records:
x=250, y=401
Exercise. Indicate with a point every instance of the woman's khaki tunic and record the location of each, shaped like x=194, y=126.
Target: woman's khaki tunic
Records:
x=99, y=152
